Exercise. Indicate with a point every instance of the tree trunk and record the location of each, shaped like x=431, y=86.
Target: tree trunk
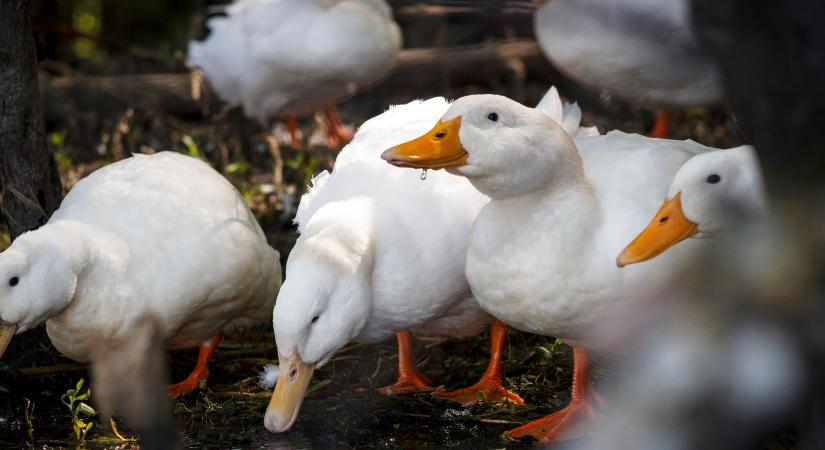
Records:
x=29, y=182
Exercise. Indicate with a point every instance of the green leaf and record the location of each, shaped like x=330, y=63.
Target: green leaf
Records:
x=191, y=146
x=237, y=166
x=86, y=409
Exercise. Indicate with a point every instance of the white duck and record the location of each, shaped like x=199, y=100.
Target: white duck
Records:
x=348, y=276
x=367, y=265
x=542, y=252
x=291, y=58
x=164, y=234
x=643, y=50
x=710, y=194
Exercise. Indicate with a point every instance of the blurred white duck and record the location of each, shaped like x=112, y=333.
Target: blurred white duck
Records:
x=542, y=252
x=164, y=234
x=643, y=50
x=710, y=194
x=368, y=265
x=291, y=58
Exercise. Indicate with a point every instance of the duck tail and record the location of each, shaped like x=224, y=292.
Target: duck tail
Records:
x=568, y=115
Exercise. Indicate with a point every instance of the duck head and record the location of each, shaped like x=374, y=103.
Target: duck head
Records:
x=38, y=279
x=711, y=193
x=503, y=147
x=323, y=304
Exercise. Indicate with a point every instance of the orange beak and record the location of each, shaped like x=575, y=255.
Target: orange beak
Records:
x=668, y=227
x=439, y=148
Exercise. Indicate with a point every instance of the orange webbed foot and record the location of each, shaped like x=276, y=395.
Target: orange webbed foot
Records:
x=410, y=385
x=487, y=388
x=410, y=379
x=576, y=420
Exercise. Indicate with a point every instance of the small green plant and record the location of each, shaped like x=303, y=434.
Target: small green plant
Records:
x=192, y=147
x=81, y=412
x=238, y=167
x=57, y=139
x=304, y=164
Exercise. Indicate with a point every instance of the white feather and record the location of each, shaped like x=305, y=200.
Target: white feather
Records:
x=568, y=115
x=269, y=376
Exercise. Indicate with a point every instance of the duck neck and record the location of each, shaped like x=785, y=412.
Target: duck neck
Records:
x=89, y=250
x=570, y=206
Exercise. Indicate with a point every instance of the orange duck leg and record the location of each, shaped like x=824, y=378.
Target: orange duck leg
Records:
x=489, y=386
x=661, y=125
x=576, y=419
x=201, y=370
x=337, y=136
x=292, y=127
x=410, y=380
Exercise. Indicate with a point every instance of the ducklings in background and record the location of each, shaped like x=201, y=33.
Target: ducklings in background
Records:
x=285, y=59
x=640, y=50
x=541, y=256
x=710, y=194
x=162, y=234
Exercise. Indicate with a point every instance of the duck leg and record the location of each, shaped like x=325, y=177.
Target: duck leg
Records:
x=576, y=419
x=409, y=378
x=661, y=125
x=201, y=370
x=292, y=126
x=489, y=386
x=336, y=134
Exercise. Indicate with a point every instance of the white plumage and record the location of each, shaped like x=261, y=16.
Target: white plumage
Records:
x=163, y=233
x=414, y=233
x=545, y=263
x=411, y=253
x=281, y=58
x=542, y=253
x=381, y=251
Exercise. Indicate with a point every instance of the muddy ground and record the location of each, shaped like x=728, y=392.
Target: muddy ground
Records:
x=342, y=409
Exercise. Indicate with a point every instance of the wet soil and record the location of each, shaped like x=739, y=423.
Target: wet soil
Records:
x=342, y=409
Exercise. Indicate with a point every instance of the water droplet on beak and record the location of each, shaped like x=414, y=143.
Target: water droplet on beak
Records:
x=423, y=174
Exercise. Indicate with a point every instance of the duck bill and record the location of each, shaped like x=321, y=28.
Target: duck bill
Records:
x=288, y=396
x=439, y=148
x=7, y=331
x=668, y=227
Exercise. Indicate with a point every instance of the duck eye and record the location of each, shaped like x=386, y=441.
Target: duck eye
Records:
x=441, y=134
x=493, y=116
x=713, y=179
x=314, y=319
x=13, y=281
